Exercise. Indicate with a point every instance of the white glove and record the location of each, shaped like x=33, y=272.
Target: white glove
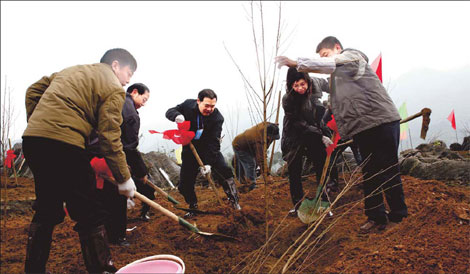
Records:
x=326, y=141
x=205, y=170
x=179, y=119
x=127, y=188
x=130, y=203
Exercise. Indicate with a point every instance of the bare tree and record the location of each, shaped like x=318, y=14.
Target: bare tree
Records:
x=260, y=95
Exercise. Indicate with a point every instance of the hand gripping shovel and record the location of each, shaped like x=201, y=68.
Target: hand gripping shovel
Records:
x=173, y=216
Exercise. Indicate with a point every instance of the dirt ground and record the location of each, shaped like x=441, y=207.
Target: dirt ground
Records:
x=435, y=238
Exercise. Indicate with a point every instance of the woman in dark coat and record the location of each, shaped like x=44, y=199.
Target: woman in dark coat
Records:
x=303, y=132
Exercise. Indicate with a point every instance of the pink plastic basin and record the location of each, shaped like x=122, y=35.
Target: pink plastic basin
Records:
x=155, y=264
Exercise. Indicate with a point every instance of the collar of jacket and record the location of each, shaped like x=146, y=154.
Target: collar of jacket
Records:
x=129, y=97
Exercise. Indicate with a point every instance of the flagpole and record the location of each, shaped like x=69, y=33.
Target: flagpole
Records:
x=456, y=136
x=409, y=133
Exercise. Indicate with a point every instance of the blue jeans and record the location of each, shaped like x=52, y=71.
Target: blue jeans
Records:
x=246, y=165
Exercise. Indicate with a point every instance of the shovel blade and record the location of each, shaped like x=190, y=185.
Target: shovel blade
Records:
x=311, y=209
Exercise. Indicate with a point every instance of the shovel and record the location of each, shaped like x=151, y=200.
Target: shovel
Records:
x=172, y=215
x=180, y=220
x=311, y=209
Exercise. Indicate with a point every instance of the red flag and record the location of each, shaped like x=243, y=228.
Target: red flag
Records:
x=10, y=157
x=451, y=119
x=332, y=124
x=181, y=136
x=101, y=168
x=377, y=66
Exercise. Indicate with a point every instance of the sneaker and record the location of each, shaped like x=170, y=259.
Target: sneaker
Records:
x=293, y=212
x=236, y=205
x=145, y=217
x=189, y=215
x=121, y=241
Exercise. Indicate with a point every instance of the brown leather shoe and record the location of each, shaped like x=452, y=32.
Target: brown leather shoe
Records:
x=367, y=227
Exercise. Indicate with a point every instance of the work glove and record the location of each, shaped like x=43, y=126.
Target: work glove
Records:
x=179, y=119
x=130, y=203
x=127, y=188
x=205, y=170
x=326, y=141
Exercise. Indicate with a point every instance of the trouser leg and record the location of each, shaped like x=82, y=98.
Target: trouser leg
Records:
x=378, y=147
x=95, y=250
x=294, y=168
x=393, y=187
x=248, y=163
x=224, y=175
x=146, y=190
x=188, y=173
x=38, y=247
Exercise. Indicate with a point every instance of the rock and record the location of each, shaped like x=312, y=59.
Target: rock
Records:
x=466, y=143
x=155, y=160
x=455, y=147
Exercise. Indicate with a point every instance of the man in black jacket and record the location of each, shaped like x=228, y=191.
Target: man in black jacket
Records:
x=206, y=122
x=136, y=97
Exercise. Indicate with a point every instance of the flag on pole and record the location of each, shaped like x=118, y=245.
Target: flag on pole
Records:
x=403, y=127
x=181, y=136
x=377, y=66
x=332, y=125
x=451, y=119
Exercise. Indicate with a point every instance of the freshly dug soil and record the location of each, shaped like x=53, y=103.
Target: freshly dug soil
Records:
x=433, y=239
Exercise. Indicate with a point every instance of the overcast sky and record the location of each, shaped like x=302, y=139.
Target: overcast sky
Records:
x=179, y=46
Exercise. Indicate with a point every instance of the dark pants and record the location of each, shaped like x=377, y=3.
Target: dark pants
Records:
x=62, y=173
x=315, y=152
x=190, y=168
x=116, y=206
x=245, y=165
x=145, y=190
x=379, y=151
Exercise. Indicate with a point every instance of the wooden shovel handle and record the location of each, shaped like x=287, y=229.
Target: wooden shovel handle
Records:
x=208, y=176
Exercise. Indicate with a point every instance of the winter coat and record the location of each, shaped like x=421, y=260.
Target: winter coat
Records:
x=67, y=105
x=208, y=145
x=251, y=141
x=302, y=117
x=359, y=101
x=130, y=138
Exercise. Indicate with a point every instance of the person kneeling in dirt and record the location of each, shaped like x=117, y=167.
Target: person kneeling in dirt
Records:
x=303, y=132
x=364, y=112
x=62, y=110
x=248, y=149
x=206, y=122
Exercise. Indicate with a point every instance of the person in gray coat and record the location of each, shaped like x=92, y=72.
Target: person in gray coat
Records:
x=366, y=113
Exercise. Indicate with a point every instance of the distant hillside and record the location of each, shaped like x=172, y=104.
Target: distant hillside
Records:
x=441, y=91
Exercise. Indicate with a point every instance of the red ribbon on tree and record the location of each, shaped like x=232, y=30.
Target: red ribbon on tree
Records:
x=181, y=136
x=101, y=168
x=10, y=157
x=332, y=125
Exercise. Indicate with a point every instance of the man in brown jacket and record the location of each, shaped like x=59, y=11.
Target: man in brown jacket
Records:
x=248, y=148
x=62, y=110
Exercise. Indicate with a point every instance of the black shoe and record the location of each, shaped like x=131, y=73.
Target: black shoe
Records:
x=251, y=187
x=293, y=212
x=145, y=217
x=123, y=242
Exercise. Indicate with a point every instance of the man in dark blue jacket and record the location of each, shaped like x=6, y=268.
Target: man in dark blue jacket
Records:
x=206, y=122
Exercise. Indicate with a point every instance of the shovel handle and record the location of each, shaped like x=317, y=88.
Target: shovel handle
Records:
x=162, y=192
x=208, y=176
x=166, y=212
x=158, y=207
